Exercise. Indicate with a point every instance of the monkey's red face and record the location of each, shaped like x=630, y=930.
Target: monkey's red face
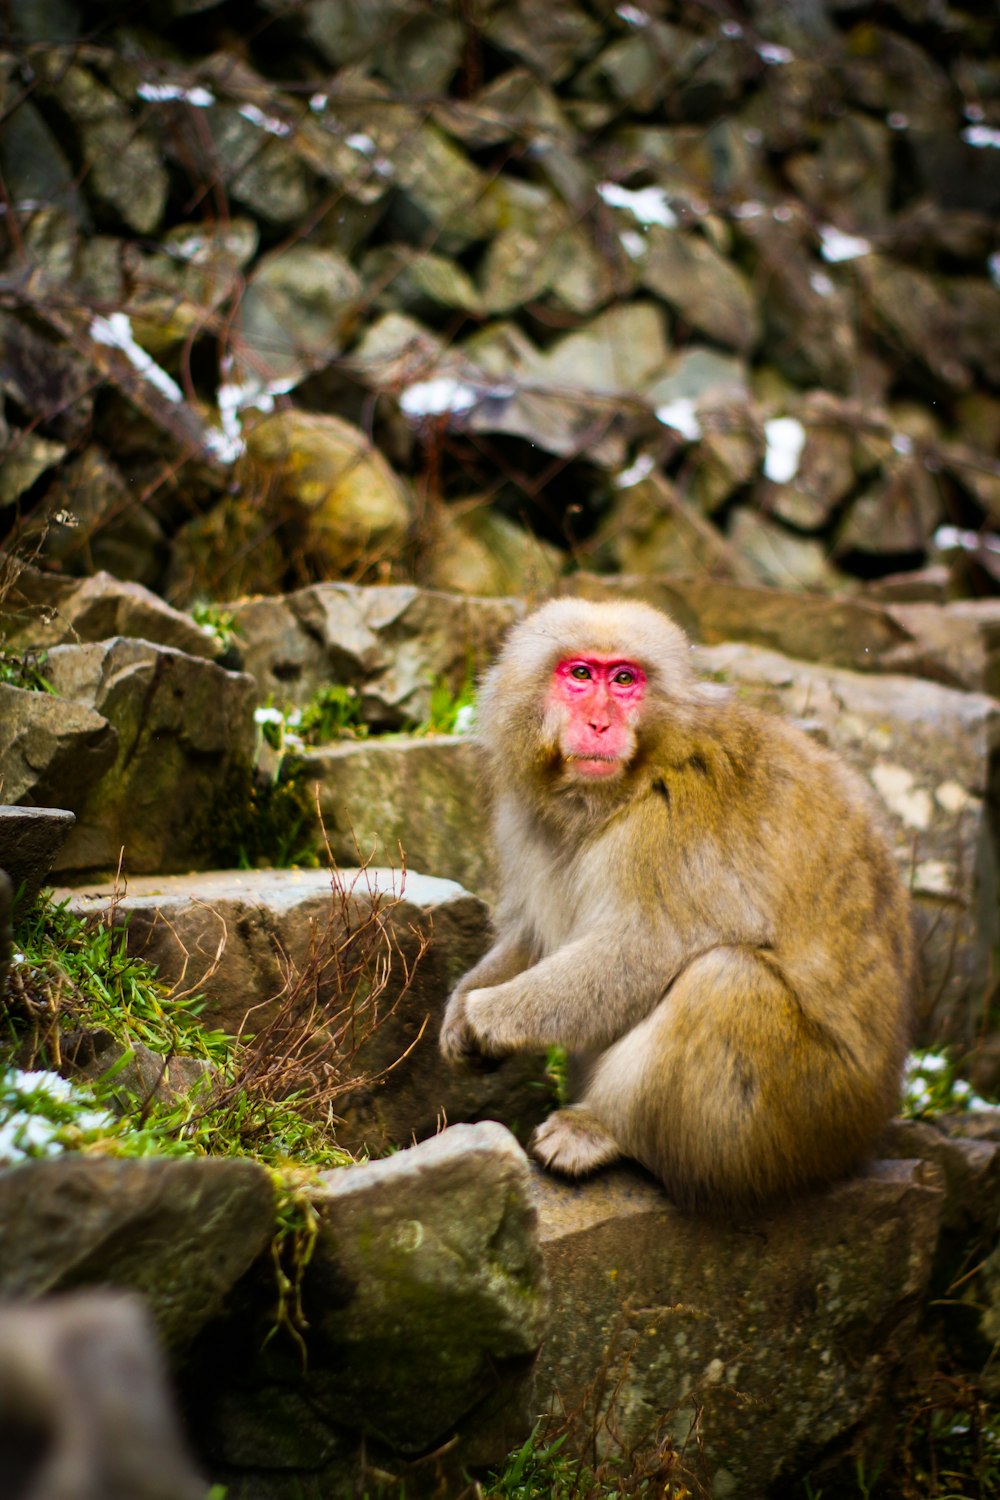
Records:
x=596, y=702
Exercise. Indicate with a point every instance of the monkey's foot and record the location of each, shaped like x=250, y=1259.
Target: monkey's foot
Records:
x=573, y=1141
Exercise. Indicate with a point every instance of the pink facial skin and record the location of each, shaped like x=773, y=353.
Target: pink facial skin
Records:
x=598, y=700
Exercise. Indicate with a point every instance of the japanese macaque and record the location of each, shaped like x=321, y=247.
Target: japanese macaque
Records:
x=696, y=902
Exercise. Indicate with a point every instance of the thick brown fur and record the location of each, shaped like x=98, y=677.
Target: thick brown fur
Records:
x=719, y=934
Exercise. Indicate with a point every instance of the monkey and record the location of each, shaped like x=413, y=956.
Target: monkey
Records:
x=698, y=902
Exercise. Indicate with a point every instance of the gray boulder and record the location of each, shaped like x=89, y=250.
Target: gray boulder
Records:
x=51, y=751
x=42, y=610
x=182, y=1232
x=668, y=1329
x=182, y=731
x=425, y=1300
x=393, y=644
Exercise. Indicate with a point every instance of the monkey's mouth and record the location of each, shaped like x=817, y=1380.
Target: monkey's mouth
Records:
x=595, y=766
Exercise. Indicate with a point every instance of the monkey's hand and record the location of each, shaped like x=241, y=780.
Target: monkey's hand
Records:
x=460, y=1046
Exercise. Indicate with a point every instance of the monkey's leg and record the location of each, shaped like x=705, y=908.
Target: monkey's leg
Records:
x=727, y=1091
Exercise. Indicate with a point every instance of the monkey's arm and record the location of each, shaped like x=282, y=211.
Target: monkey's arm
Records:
x=582, y=997
x=508, y=957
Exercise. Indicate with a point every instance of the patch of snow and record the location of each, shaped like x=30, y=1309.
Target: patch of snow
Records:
x=632, y=15
x=948, y=537
x=162, y=93
x=785, y=438
x=770, y=52
x=682, y=417
x=633, y=244
x=643, y=466
x=836, y=246
x=649, y=204
x=432, y=398
x=982, y=136
x=270, y=123
x=116, y=333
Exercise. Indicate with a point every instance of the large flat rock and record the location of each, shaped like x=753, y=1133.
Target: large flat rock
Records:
x=241, y=937
x=757, y=1349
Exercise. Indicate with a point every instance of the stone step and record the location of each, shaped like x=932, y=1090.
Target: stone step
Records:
x=240, y=937
x=418, y=798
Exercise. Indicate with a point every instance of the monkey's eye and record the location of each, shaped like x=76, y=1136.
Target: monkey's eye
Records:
x=582, y=674
x=624, y=678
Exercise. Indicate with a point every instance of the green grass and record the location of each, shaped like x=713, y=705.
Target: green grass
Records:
x=25, y=670
x=75, y=975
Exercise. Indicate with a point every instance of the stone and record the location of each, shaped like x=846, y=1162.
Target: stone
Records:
x=825, y=475
x=702, y=287
x=123, y=168
x=728, y=454
x=700, y=374
x=90, y=520
x=87, y=1411
x=425, y=1302
x=848, y=181
x=927, y=750
x=325, y=473
x=809, y=318
x=667, y=1328
x=415, y=801
x=889, y=74
x=179, y=285
x=140, y=1076
x=182, y=731
x=619, y=352
x=238, y=937
x=552, y=43
x=651, y=528
x=478, y=551
x=435, y=1239
x=51, y=751
x=36, y=169
x=30, y=457
x=897, y=514
x=441, y=193
x=43, y=609
x=417, y=281
x=393, y=644
x=46, y=375
x=295, y=313
x=181, y=1232
x=913, y=309
x=30, y=838
x=6, y=931
x=779, y=556
x=970, y=1171
x=521, y=265
x=260, y=169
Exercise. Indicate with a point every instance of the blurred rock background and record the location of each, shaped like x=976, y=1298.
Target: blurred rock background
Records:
x=476, y=293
